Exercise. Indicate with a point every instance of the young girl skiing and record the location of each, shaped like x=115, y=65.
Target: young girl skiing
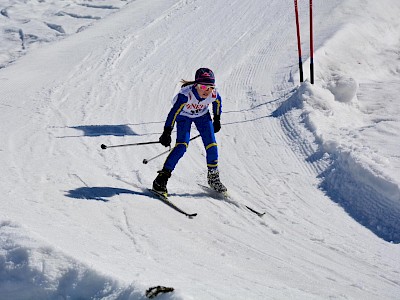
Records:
x=190, y=105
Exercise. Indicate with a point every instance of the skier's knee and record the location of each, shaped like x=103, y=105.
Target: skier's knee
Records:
x=181, y=148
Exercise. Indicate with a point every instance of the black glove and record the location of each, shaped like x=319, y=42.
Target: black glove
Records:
x=217, y=123
x=165, y=138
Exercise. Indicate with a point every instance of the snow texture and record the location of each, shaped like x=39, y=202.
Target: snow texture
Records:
x=322, y=160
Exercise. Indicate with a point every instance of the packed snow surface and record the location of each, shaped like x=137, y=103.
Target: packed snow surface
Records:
x=322, y=161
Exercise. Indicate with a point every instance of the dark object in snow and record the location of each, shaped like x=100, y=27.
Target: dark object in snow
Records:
x=156, y=290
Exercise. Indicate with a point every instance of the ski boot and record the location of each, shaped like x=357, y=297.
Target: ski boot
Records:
x=160, y=183
x=214, y=182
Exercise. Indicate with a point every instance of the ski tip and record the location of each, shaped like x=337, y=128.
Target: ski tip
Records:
x=256, y=212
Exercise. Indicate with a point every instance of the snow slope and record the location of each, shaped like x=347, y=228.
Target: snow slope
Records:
x=322, y=160
x=27, y=24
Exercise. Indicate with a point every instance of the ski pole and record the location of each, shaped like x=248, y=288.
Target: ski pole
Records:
x=146, y=161
x=125, y=145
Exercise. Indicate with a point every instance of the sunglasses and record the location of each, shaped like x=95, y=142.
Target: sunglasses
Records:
x=206, y=87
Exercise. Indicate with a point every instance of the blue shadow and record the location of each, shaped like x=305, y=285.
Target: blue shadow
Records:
x=99, y=193
x=100, y=130
x=362, y=202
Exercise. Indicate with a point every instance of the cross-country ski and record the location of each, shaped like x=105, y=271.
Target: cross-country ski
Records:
x=226, y=197
x=166, y=200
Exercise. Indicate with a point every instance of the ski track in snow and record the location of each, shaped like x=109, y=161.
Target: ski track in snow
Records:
x=90, y=204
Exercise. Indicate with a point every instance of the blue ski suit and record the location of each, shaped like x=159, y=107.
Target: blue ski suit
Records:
x=188, y=107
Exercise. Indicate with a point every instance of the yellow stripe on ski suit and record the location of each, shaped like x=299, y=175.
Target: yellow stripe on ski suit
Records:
x=177, y=113
x=181, y=144
x=211, y=145
x=218, y=110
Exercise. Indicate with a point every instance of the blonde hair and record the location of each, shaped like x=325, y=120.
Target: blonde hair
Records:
x=187, y=82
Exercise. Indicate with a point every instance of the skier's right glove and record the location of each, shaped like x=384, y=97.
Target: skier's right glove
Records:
x=165, y=138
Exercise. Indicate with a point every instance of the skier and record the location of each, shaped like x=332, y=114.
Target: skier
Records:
x=190, y=105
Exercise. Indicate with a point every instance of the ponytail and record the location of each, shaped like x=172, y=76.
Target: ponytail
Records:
x=186, y=82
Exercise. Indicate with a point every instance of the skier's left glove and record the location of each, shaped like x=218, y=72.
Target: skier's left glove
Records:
x=217, y=123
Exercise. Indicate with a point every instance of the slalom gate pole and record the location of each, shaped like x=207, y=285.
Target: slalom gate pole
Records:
x=126, y=145
x=146, y=161
x=311, y=45
x=296, y=10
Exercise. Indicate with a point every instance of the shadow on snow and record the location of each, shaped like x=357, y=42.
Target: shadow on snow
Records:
x=100, y=193
x=100, y=130
x=105, y=193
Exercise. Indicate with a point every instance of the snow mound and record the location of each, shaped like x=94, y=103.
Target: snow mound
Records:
x=369, y=198
x=353, y=174
x=32, y=271
x=344, y=88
